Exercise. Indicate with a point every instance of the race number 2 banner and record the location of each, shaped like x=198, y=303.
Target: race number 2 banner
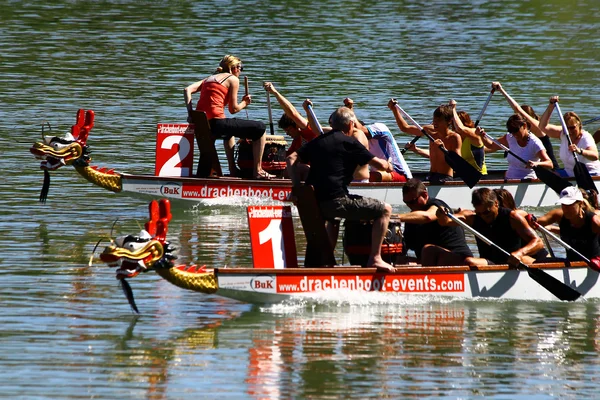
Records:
x=174, y=150
x=272, y=237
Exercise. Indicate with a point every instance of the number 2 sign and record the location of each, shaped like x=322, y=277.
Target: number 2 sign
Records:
x=272, y=237
x=174, y=150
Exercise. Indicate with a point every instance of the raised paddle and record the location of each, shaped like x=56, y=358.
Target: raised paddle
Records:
x=484, y=107
x=582, y=175
x=463, y=169
x=270, y=114
x=551, y=179
x=311, y=113
x=593, y=264
x=246, y=93
x=589, y=121
x=550, y=283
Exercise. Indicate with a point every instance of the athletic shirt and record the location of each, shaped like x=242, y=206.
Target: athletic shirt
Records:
x=582, y=239
x=383, y=145
x=213, y=97
x=474, y=155
x=333, y=157
x=501, y=233
x=516, y=168
x=449, y=237
x=306, y=135
x=567, y=157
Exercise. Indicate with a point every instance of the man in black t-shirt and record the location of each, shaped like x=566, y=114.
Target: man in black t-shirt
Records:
x=432, y=243
x=333, y=158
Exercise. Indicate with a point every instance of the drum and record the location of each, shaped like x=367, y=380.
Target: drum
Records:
x=273, y=160
x=357, y=241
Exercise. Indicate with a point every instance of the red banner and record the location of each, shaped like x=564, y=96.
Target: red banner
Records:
x=272, y=237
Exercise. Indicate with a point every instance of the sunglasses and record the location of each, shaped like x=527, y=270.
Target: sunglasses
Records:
x=240, y=67
x=572, y=127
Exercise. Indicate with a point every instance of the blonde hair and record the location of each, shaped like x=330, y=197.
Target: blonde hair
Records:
x=227, y=63
x=569, y=116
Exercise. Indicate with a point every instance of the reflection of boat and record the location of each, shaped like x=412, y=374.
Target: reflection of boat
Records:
x=73, y=150
x=151, y=251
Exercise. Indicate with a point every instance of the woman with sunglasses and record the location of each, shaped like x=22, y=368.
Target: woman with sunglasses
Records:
x=583, y=142
x=522, y=143
x=220, y=90
x=533, y=122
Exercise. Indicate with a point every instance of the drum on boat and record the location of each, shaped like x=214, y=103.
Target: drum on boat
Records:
x=273, y=160
x=357, y=241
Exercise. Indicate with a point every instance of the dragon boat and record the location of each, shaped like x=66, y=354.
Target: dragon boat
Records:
x=174, y=161
x=276, y=277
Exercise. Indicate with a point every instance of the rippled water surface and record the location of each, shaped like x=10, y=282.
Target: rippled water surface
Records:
x=66, y=330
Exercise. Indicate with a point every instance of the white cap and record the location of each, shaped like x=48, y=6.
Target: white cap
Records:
x=570, y=195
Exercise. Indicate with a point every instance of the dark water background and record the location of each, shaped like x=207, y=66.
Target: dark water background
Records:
x=67, y=332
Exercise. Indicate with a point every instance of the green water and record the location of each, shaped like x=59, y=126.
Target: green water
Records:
x=66, y=330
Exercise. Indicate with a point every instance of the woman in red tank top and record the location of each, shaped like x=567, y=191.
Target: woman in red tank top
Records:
x=220, y=90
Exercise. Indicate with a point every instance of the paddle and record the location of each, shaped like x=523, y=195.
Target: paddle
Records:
x=484, y=107
x=270, y=114
x=246, y=93
x=550, y=283
x=405, y=149
x=594, y=265
x=463, y=169
x=311, y=113
x=582, y=175
x=553, y=181
x=589, y=121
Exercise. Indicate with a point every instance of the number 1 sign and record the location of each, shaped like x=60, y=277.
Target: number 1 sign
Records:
x=272, y=237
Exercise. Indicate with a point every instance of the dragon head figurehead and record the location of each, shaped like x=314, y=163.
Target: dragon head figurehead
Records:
x=56, y=152
x=133, y=254
x=150, y=250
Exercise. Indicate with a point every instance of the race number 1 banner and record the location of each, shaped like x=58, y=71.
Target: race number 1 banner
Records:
x=272, y=237
x=174, y=150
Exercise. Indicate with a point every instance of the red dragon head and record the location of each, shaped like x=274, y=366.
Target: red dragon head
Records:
x=149, y=250
x=56, y=152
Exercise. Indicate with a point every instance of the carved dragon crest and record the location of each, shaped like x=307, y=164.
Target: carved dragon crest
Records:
x=150, y=250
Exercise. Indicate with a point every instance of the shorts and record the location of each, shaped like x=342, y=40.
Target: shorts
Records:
x=398, y=177
x=225, y=128
x=436, y=178
x=352, y=207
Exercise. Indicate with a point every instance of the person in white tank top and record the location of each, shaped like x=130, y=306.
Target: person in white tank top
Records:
x=524, y=144
x=583, y=142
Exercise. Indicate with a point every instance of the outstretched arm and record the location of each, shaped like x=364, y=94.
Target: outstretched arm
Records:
x=287, y=107
x=402, y=124
x=533, y=123
x=551, y=130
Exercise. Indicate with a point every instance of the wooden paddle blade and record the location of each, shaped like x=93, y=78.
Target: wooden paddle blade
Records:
x=553, y=285
x=583, y=177
x=462, y=168
x=551, y=179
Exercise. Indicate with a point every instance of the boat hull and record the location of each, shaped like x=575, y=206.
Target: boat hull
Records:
x=264, y=286
x=456, y=193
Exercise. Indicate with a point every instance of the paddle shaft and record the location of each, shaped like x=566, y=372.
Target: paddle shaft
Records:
x=565, y=130
x=505, y=148
x=270, y=114
x=246, y=92
x=589, y=121
x=562, y=243
x=484, y=107
x=410, y=143
x=314, y=117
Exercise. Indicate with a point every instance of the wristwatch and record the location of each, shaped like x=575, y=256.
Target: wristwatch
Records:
x=580, y=151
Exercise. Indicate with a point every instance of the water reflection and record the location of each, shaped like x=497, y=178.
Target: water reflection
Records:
x=408, y=350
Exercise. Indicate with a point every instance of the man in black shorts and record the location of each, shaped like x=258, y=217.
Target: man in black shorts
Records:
x=333, y=158
x=432, y=243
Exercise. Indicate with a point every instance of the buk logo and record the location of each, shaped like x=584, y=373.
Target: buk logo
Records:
x=265, y=283
x=171, y=189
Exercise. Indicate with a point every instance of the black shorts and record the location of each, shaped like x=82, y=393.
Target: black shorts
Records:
x=437, y=179
x=352, y=207
x=225, y=128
